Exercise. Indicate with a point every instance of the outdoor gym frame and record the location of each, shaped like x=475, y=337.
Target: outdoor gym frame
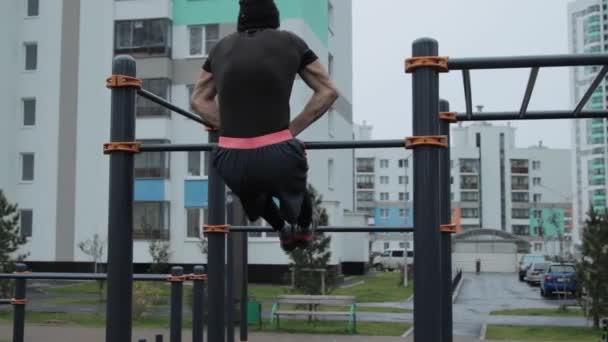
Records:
x=432, y=236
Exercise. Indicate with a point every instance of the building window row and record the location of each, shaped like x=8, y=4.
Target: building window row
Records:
x=149, y=37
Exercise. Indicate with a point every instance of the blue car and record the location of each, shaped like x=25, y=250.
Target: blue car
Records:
x=559, y=278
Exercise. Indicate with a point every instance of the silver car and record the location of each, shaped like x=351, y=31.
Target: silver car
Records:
x=536, y=272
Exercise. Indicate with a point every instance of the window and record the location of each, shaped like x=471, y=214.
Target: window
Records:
x=27, y=167
x=469, y=182
x=150, y=37
x=384, y=163
x=401, y=244
x=384, y=196
x=537, y=213
x=538, y=246
x=401, y=179
x=151, y=220
x=330, y=65
x=330, y=173
x=194, y=163
x=365, y=164
x=470, y=212
x=397, y=254
x=536, y=165
x=536, y=181
x=365, y=182
x=403, y=163
x=407, y=196
x=330, y=122
x=29, y=112
x=159, y=87
x=26, y=216
x=33, y=7
x=330, y=17
x=31, y=56
x=365, y=196
x=402, y=196
x=203, y=38
x=386, y=245
x=519, y=166
x=520, y=197
x=152, y=164
x=383, y=179
x=469, y=165
x=520, y=183
x=537, y=198
x=468, y=196
x=195, y=217
x=401, y=214
x=521, y=230
x=384, y=212
x=520, y=213
x=190, y=89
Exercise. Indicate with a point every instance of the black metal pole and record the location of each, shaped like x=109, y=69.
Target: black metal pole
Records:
x=535, y=115
x=158, y=338
x=19, y=305
x=330, y=229
x=244, y=295
x=216, y=256
x=427, y=238
x=230, y=276
x=310, y=145
x=120, y=220
x=527, y=61
x=198, y=302
x=446, y=238
x=177, y=291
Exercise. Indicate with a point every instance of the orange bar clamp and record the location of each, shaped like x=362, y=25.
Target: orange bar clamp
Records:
x=438, y=62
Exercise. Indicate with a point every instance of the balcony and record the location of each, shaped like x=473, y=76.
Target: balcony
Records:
x=365, y=168
x=365, y=185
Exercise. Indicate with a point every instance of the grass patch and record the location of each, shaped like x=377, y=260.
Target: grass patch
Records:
x=335, y=328
x=267, y=292
x=74, y=301
x=92, y=288
x=89, y=319
x=380, y=287
x=542, y=333
x=575, y=312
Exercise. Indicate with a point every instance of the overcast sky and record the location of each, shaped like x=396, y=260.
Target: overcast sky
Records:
x=384, y=30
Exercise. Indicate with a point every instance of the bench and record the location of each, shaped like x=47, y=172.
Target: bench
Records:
x=312, y=303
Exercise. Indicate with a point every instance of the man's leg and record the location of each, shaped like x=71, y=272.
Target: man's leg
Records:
x=272, y=215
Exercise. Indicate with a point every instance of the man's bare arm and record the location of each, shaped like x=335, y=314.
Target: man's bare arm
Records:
x=203, y=99
x=325, y=94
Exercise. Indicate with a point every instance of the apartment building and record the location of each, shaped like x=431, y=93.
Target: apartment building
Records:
x=495, y=185
x=58, y=117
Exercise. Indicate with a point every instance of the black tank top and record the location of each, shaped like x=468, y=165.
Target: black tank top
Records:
x=254, y=74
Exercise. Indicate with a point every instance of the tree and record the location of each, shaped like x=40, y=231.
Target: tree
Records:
x=592, y=270
x=10, y=241
x=159, y=250
x=316, y=256
x=94, y=248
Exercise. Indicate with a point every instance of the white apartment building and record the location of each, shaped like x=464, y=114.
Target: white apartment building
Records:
x=57, y=116
x=494, y=186
x=588, y=33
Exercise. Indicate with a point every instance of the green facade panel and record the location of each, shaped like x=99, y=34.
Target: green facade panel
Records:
x=197, y=12
x=552, y=221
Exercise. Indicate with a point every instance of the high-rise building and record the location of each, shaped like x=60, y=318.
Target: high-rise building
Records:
x=494, y=184
x=588, y=33
x=57, y=116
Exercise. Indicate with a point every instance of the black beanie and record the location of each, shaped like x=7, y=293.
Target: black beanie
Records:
x=257, y=14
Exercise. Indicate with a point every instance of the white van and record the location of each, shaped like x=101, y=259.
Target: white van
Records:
x=392, y=259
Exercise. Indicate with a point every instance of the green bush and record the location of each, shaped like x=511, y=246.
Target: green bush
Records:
x=145, y=296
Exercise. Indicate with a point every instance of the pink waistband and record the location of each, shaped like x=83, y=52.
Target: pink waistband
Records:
x=255, y=142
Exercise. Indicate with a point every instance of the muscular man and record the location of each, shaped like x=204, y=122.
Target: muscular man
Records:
x=252, y=73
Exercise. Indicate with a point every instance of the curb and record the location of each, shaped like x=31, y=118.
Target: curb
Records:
x=482, y=335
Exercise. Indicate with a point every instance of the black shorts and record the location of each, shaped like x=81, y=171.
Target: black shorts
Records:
x=259, y=175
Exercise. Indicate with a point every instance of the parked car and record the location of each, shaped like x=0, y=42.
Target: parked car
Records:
x=526, y=261
x=535, y=272
x=392, y=259
x=559, y=278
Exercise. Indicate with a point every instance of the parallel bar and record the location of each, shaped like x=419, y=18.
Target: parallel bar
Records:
x=365, y=229
x=78, y=276
x=19, y=309
x=536, y=115
x=468, y=97
x=313, y=145
x=5, y=301
x=527, y=61
x=427, y=239
x=528, y=94
x=446, y=238
x=216, y=263
x=198, y=298
x=244, y=295
x=230, y=287
x=177, y=294
x=596, y=82
x=159, y=100
x=120, y=217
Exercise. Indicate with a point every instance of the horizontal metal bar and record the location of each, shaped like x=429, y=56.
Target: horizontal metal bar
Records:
x=5, y=301
x=527, y=61
x=77, y=276
x=366, y=229
x=314, y=145
x=592, y=87
x=528, y=94
x=535, y=115
x=159, y=100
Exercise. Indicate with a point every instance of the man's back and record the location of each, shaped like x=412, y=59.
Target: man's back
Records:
x=254, y=73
